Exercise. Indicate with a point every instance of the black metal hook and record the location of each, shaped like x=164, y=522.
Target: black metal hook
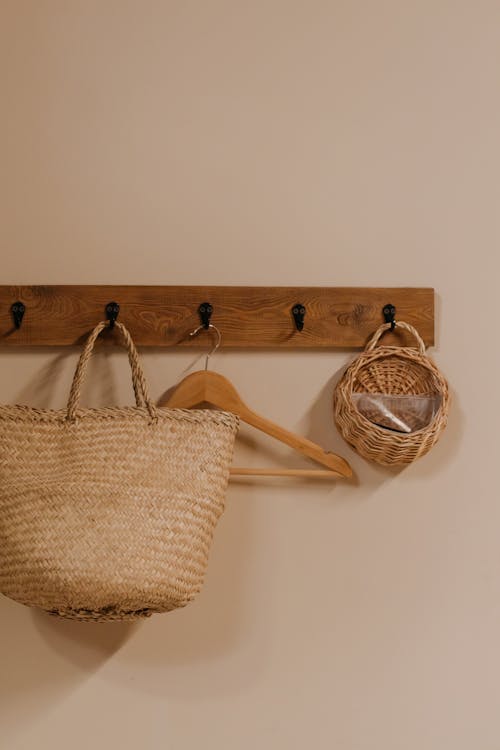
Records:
x=112, y=310
x=298, y=312
x=389, y=313
x=205, y=311
x=18, y=309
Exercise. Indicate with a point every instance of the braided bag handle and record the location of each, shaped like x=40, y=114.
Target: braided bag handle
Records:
x=386, y=326
x=142, y=397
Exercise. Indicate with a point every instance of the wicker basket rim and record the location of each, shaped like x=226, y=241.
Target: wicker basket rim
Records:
x=402, y=352
x=366, y=358
x=9, y=412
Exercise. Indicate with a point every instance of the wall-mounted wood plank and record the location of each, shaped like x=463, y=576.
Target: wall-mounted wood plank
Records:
x=248, y=317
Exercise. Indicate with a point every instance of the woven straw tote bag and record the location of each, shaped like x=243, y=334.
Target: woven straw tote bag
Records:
x=391, y=404
x=109, y=513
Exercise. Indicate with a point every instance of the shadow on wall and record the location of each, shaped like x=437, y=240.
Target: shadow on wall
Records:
x=35, y=678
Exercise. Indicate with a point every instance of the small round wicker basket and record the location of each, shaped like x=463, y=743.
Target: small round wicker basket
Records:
x=409, y=376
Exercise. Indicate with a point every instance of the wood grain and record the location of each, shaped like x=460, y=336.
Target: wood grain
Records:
x=248, y=317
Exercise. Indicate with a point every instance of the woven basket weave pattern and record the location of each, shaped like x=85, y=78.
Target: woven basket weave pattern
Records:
x=110, y=513
x=390, y=370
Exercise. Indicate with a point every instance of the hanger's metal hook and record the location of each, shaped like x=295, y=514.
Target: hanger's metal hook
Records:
x=217, y=343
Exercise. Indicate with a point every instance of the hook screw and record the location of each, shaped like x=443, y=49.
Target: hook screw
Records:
x=205, y=311
x=18, y=309
x=298, y=312
x=112, y=310
x=389, y=313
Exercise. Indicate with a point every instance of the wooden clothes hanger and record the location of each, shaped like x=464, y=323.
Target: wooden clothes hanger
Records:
x=206, y=386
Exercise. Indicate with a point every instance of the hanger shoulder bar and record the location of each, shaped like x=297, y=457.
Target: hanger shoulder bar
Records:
x=297, y=442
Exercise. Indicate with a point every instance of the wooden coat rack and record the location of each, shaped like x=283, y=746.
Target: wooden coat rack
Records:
x=248, y=317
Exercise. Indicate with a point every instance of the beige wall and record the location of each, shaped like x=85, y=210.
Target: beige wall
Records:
x=271, y=143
